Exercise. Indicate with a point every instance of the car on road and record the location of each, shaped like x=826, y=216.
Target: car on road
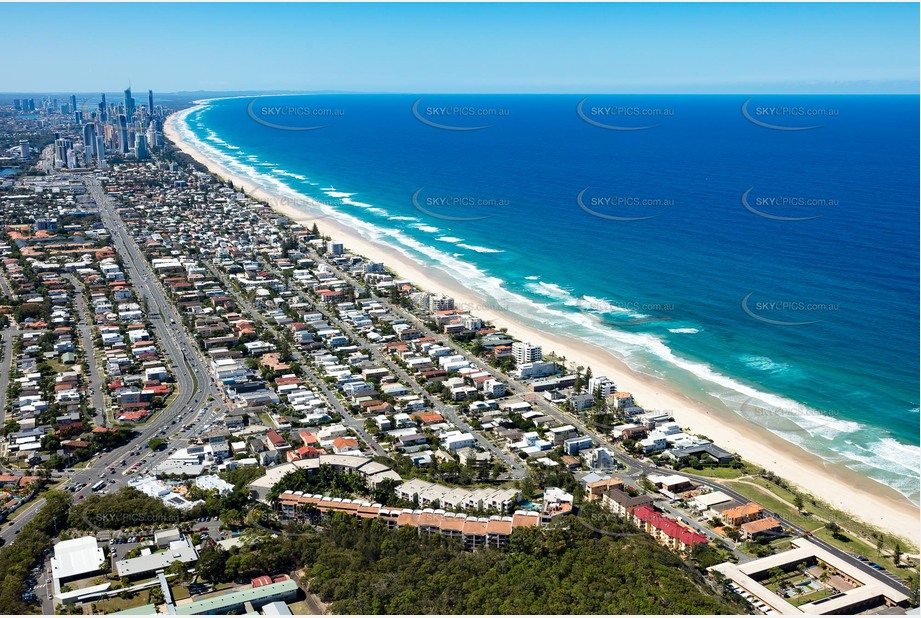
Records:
x=79, y=496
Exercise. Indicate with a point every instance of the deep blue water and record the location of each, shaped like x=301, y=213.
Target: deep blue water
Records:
x=656, y=257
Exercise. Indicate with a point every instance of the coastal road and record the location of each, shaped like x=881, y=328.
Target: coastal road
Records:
x=634, y=467
x=644, y=469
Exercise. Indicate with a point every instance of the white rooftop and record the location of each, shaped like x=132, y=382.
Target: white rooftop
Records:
x=76, y=557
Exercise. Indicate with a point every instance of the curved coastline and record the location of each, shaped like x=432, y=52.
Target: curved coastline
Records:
x=837, y=485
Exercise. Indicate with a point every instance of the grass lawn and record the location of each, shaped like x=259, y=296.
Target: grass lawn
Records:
x=716, y=473
x=825, y=511
x=812, y=596
x=58, y=366
x=300, y=608
x=855, y=544
x=781, y=545
x=171, y=397
x=863, y=548
x=768, y=500
x=115, y=604
x=179, y=592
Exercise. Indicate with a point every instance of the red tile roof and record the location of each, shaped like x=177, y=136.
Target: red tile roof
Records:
x=670, y=527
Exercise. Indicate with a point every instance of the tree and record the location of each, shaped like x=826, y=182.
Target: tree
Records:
x=155, y=443
x=527, y=487
x=798, y=502
x=776, y=575
x=231, y=518
x=897, y=553
x=179, y=572
x=210, y=565
x=880, y=543
x=156, y=595
x=835, y=529
x=912, y=584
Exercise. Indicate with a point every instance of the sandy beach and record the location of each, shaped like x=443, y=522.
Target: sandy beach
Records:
x=864, y=498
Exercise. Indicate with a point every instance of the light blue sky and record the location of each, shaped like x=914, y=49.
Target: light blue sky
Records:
x=597, y=48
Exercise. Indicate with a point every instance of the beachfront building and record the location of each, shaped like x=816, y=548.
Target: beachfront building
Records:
x=441, y=303
x=526, y=353
x=849, y=589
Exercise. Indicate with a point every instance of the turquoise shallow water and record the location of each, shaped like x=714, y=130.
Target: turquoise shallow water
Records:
x=774, y=271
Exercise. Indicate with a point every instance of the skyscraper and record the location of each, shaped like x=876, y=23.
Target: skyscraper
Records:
x=100, y=150
x=89, y=138
x=62, y=146
x=123, y=134
x=73, y=103
x=150, y=109
x=153, y=139
x=140, y=146
x=129, y=103
x=103, y=112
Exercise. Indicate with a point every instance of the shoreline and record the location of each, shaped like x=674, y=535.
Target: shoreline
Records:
x=864, y=498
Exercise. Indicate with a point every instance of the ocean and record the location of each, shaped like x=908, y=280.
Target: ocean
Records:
x=759, y=253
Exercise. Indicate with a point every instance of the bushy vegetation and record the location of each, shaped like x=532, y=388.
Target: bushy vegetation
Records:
x=570, y=570
x=126, y=508
x=31, y=543
x=361, y=567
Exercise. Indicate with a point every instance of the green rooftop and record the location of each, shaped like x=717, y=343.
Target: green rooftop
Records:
x=216, y=605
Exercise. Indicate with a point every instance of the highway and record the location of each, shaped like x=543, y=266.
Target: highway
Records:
x=188, y=367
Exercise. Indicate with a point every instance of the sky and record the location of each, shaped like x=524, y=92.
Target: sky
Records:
x=431, y=48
